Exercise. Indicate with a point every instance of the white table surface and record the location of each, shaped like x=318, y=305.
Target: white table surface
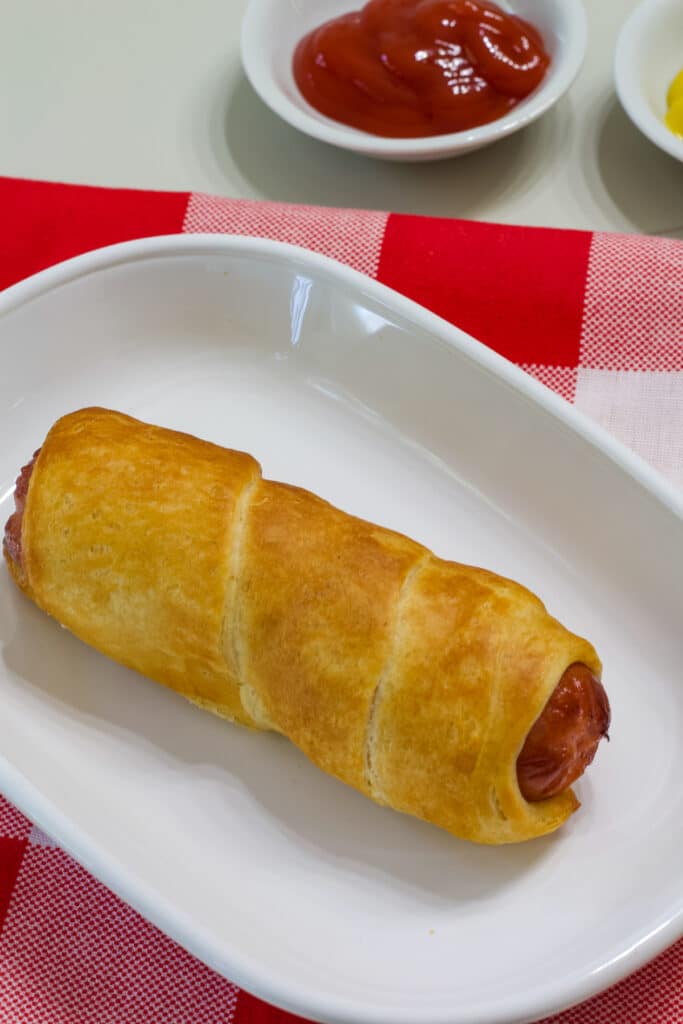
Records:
x=151, y=94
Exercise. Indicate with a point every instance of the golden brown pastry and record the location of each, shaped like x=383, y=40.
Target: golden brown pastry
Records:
x=423, y=683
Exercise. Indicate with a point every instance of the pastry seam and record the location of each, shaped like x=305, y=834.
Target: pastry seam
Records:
x=231, y=615
x=369, y=741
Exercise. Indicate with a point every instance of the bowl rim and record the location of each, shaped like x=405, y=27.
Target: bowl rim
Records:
x=629, y=93
x=567, y=64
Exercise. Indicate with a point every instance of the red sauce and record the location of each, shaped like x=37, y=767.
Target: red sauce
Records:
x=410, y=68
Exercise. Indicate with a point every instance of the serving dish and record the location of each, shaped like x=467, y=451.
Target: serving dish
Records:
x=649, y=53
x=287, y=882
x=271, y=30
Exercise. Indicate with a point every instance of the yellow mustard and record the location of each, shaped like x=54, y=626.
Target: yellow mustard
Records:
x=674, y=102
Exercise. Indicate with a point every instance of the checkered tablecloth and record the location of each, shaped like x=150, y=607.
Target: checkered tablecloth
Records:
x=596, y=317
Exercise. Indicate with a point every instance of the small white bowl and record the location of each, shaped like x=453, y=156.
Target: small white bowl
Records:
x=648, y=55
x=272, y=28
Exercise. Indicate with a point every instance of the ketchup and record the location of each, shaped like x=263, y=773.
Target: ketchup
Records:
x=410, y=68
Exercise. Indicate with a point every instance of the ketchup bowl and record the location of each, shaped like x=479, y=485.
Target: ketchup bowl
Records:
x=272, y=30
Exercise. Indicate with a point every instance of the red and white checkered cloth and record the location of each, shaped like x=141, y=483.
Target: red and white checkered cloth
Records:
x=597, y=317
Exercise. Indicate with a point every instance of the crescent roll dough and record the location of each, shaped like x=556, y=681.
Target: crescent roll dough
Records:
x=413, y=679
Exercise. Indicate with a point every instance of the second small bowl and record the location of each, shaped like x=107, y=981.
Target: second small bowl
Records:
x=649, y=54
x=272, y=28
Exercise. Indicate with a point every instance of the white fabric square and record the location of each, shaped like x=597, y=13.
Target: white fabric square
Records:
x=644, y=410
x=39, y=838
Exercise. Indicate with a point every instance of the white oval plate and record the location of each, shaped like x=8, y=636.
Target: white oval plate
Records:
x=286, y=881
x=272, y=29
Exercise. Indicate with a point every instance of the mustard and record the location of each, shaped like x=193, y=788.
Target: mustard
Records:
x=674, y=101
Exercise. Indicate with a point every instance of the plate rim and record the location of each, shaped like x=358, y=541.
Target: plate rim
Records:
x=243, y=971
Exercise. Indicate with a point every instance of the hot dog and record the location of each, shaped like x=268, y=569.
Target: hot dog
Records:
x=560, y=743
x=565, y=737
x=13, y=526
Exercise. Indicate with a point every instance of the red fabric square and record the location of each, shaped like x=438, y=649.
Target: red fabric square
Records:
x=49, y=222
x=251, y=1010
x=11, y=855
x=519, y=291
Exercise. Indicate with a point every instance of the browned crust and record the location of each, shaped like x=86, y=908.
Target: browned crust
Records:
x=413, y=679
x=127, y=542
x=318, y=596
x=485, y=648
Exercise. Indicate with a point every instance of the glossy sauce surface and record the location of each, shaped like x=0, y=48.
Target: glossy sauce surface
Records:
x=411, y=68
